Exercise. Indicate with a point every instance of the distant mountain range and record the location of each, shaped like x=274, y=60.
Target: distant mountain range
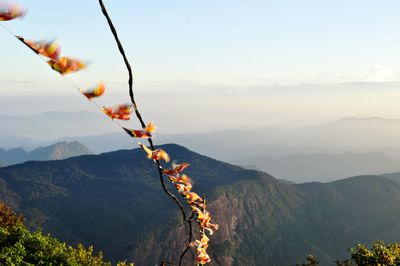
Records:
x=295, y=163
x=348, y=134
x=114, y=201
x=301, y=167
x=323, y=152
x=36, y=130
x=60, y=150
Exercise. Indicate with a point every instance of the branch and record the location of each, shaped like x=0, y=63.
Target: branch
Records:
x=143, y=124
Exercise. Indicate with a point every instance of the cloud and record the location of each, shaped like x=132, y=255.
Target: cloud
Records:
x=379, y=73
x=374, y=75
x=16, y=81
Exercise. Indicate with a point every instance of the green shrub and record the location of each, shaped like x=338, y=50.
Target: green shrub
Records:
x=19, y=246
x=379, y=255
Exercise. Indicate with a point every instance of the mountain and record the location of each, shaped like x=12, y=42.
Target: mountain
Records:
x=368, y=139
x=115, y=189
x=216, y=144
x=104, y=142
x=10, y=140
x=58, y=151
x=345, y=147
x=15, y=155
x=38, y=129
x=323, y=167
x=114, y=201
x=352, y=134
x=315, y=164
x=393, y=176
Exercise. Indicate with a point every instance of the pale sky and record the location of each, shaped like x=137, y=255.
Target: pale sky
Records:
x=218, y=64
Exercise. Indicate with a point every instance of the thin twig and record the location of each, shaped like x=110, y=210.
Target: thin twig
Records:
x=169, y=192
x=143, y=124
x=190, y=240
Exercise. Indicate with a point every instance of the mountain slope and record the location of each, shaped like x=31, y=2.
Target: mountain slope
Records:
x=115, y=202
x=15, y=155
x=114, y=199
x=323, y=167
x=354, y=210
x=57, y=151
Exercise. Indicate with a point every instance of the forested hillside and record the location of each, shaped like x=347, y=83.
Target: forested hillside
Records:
x=113, y=201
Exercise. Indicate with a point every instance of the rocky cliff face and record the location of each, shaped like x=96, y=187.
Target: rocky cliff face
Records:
x=240, y=209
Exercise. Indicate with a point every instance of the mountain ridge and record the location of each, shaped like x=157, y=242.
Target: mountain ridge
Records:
x=114, y=201
x=57, y=151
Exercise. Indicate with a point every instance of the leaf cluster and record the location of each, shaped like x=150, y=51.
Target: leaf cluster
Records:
x=19, y=246
x=379, y=255
x=8, y=218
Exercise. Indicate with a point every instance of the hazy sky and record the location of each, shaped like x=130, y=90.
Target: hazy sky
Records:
x=217, y=64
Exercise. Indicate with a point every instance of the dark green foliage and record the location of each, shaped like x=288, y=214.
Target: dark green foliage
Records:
x=380, y=254
x=344, y=263
x=18, y=246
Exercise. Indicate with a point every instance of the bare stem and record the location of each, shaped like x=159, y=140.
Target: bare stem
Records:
x=143, y=124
